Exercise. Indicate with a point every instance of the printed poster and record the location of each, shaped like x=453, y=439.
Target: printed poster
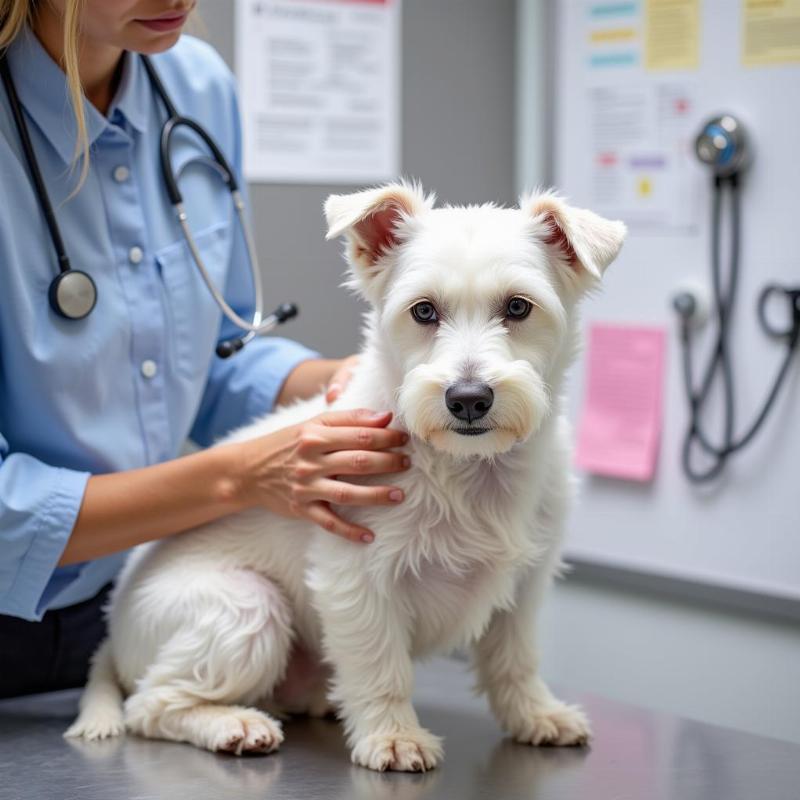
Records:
x=319, y=89
x=770, y=32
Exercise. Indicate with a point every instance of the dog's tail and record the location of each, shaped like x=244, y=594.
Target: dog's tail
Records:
x=101, y=702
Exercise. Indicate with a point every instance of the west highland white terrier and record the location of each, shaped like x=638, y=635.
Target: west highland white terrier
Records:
x=471, y=328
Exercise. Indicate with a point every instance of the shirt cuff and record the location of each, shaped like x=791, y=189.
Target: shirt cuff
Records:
x=27, y=597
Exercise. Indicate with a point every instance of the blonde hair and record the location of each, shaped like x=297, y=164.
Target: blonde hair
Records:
x=14, y=15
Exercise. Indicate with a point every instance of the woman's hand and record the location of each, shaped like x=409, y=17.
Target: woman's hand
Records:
x=340, y=378
x=293, y=471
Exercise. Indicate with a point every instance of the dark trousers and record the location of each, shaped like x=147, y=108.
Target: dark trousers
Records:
x=51, y=654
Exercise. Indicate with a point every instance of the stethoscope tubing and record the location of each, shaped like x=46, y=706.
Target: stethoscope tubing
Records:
x=33, y=165
x=724, y=298
x=259, y=324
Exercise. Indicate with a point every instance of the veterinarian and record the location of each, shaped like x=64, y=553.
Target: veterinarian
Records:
x=94, y=409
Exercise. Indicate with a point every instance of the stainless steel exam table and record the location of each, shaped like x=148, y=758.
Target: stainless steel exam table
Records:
x=635, y=755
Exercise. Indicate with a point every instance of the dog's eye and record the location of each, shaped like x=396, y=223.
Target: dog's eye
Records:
x=424, y=313
x=518, y=308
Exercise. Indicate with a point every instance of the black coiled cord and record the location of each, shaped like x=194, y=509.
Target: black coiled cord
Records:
x=724, y=297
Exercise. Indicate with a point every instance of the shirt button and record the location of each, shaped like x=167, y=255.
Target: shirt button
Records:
x=135, y=255
x=149, y=368
x=121, y=173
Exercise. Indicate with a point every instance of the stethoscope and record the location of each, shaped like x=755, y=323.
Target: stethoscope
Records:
x=723, y=145
x=73, y=293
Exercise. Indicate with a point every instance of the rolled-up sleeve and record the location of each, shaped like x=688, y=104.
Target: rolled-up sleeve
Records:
x=247, y=384
x=38, y=508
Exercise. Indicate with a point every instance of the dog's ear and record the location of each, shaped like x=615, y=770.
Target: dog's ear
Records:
x=373, y=222
x=584, y=241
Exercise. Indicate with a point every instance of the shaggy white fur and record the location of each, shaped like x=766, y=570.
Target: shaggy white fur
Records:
x=202, y=625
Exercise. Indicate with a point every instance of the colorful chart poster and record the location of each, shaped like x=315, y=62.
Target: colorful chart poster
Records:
x=613, y=34
x=641, y=137
x=319, y=88
x=770, y=32
x=639, y=125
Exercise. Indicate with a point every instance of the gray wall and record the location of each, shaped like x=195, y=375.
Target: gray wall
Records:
x=698, y=659
x=457, y=137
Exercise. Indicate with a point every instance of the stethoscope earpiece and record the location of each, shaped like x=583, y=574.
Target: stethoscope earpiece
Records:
x=284, y=312
x=230, y=346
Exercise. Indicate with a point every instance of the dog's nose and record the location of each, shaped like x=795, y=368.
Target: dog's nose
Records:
x=469, y=400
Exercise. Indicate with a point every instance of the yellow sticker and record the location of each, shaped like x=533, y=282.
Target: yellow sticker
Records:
x=770, y=32
x=671, y=34
x=645, y=187
x=613, y=35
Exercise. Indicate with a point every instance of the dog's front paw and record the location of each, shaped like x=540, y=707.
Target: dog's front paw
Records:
x=98, y=725
x=414, y=750
x=245, y=731
x=556, y=724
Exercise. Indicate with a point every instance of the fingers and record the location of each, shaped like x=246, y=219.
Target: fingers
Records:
x=356, y=416
x=363, y=438
x=364, y=462
x=356, y=429
x=342, y=443
x=334, y=390
x=343, y=493
x=322, y=515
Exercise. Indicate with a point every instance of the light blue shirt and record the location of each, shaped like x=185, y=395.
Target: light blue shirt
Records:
x=125, y=387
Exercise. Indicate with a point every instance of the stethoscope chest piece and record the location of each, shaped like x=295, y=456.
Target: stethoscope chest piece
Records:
x=72, y=294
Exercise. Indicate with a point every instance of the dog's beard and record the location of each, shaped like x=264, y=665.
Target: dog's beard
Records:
x=521, y=402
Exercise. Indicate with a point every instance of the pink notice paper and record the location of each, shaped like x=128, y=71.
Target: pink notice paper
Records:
x=620, y=425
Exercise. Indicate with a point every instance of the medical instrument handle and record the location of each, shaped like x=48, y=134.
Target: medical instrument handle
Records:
x=36, y=175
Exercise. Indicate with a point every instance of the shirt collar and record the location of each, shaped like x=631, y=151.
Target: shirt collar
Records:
x=134, y=94
x=42, y=88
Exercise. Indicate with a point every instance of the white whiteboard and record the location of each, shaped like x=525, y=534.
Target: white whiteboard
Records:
x=746, y=532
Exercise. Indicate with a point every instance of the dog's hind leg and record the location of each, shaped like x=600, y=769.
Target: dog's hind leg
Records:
x=229, y=652
x=101, y=702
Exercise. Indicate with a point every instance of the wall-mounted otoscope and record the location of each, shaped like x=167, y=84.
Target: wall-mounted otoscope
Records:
x=723, y=145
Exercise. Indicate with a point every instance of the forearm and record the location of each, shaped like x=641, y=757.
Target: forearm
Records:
x=307, y=379
x=124, y=509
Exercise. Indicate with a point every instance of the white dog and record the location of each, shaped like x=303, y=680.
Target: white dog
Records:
x=472, y=326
